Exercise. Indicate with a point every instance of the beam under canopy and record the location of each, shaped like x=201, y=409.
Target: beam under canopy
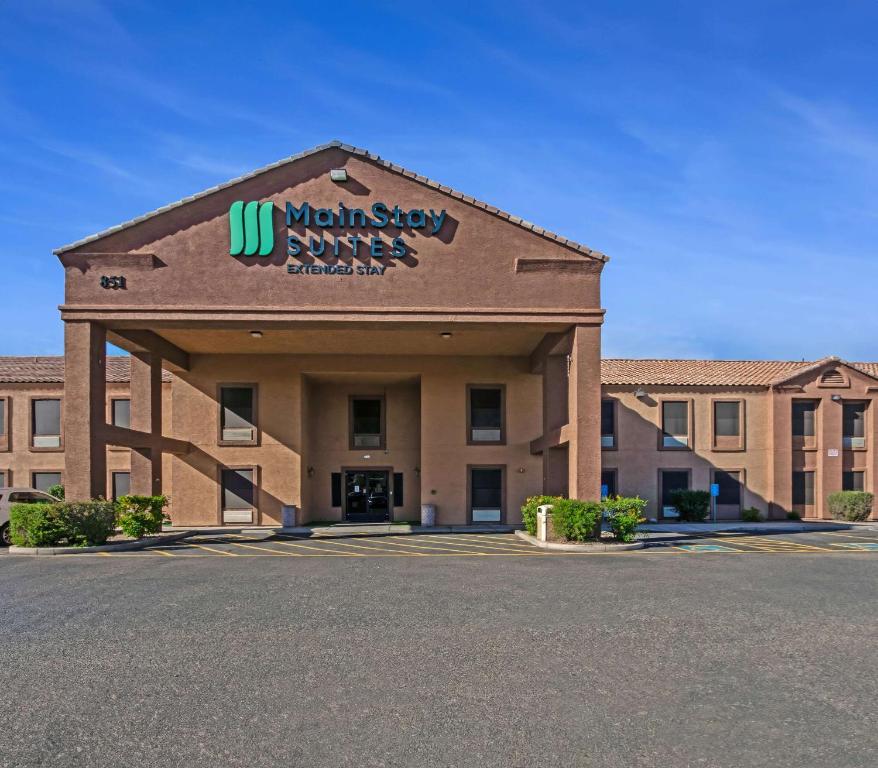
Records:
x=136, y=340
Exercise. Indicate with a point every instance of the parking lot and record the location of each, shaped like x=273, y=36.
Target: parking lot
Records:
x=472, y=650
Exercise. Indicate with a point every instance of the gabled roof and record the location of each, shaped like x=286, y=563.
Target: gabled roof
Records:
x=586, y=251
x=50, y=370
x=708, y=373
x=868, y=369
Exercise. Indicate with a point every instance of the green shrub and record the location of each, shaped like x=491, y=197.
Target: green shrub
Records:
x=624, y=514
x=35, y=525
x=530, y=509
x=576, y=520
x=751, y=515
x=853, y=506
x=64, y=523
x=56, y=490
x=141, y=515
x=692, y=506
x=793, y=516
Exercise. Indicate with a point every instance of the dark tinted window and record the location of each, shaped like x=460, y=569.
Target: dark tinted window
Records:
x=486, y=414
x=366, y=422
x=486, y=488
x=238, y=489
x=336, y=489
x=853, y=481
x=803, y=488
x=608, y=423
x=729, y=487
x=727, y=419
x=121, y=413
x=121, y=484
x=803, y=418
x=47, y=418
x=2, y=417
x=854, y=419
x=398, y=498
x=672, y=481
x=675, y=424
x=237, y=413
x=42, y=481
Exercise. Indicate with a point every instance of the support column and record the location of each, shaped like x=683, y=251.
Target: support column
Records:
x=85, y=396
x=146, y=416
x=584, y=412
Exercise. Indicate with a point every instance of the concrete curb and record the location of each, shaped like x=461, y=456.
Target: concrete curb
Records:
x=596, y=547
x=124, y=546
x=684, y=529
x=332, y=531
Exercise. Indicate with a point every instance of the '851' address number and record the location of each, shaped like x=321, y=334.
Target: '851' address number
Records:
x=113, y=281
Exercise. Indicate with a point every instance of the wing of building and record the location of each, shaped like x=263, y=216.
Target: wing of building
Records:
x=775, y=435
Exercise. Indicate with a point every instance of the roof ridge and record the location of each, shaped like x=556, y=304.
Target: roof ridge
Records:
x=350, y=149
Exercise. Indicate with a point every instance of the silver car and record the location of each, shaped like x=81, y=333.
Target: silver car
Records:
x=10, y=496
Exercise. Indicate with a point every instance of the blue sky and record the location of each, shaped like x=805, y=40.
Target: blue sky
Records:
x=725, y=155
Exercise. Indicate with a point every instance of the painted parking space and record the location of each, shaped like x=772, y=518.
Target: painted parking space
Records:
x=809, y=542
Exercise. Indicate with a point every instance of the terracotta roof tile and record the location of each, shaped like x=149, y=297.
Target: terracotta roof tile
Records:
x=732, y=373
x=50, y=370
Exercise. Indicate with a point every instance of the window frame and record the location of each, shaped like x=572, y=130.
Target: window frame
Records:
x=729, y=443
x=660, y=488
x=805, y=442
x=382, y=439
x=111, y=404
x=257, y=432
x=255, y=514
x=615, y=405
x=7, y=483
x=845, y=438
x=469, y=414
x=796, y=507
x=30, y=428
x=690, y=423
x=469, y=493
x=33, y=472
x=855, y=471
x=5, y=442
x=742, y=481
x=111, y=479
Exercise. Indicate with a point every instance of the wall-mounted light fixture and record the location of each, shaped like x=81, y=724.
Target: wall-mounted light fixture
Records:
x=256, y=334
x=338, y=174
x=836, y=398
x=639, y=393
x=310, y=471
x=521, y=470
x=367, y=455
x=418, y=471
x=445, y=335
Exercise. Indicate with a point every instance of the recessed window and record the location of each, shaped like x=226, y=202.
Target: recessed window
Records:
x=486, y=417
x=2, y=417
x=367, y=423
x=675, y=424
x=672, y=480
x=4, y=478
x=4, y=422
x=608, y=423
x=853, y=425
x=42, y=481
x=853, y=481
x=238, y=495
x=120, y=483
x=398, y=490
x=120, y=412
x=608, y=483
x=803, y=489
x=804, y=418
x=486, y=494
x=728, y=433
x=46, y=423
x=729, y=488
x=238, y=414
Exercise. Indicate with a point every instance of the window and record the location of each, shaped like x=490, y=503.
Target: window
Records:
x=853, y=481
x=804, y=418
x=486, y=415
x=608, y=483
x=4, y=419
x=853, y=425
x=46, y=423
x=608, y=423
x=4, y=478
x=675, y=424
x=803, y=489
x=398, y=497
x=729, y=488
x=120, y=412
x=238, y=495
x=120, y=484
x=486, y=494
x=727, y=428
x=672, y=480
x=335, y=491
x=42, y=481
x=367, y=422
x=238, y=414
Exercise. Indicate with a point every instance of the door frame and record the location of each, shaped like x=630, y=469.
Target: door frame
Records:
x=661, y=490
x=469, y=492
x=360, y=468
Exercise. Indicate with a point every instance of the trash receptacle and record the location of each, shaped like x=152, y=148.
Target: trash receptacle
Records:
x=288, y=515
x=428, y=515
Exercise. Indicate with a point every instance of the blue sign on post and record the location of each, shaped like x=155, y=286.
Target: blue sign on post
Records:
x=714, y=489
x=605, y=491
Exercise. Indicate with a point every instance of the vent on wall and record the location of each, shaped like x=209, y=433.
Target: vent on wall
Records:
x=833, y=376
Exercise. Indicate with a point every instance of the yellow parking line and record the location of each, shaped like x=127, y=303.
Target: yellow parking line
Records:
x=308, y=546
x=844, y=534
x=507, y=542
x=418, y=546
x=211, y=549
x=267, y=549
x=789, y=544
x=452, y=541
x=363, y=546
x=161, y=552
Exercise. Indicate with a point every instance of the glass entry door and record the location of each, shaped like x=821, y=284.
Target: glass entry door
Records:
x=367, y=496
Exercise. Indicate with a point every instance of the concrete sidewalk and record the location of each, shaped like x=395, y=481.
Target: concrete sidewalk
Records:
x=781, y=526
x=350, y=529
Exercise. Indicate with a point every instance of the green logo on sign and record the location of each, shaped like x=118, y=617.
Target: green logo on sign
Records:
x=251, y=228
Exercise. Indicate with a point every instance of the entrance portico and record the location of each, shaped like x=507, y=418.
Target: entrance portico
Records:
x=484, y=301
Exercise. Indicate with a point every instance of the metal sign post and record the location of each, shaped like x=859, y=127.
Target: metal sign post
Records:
x=714, y=492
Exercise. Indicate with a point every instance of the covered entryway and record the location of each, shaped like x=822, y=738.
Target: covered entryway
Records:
x=367, y=495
